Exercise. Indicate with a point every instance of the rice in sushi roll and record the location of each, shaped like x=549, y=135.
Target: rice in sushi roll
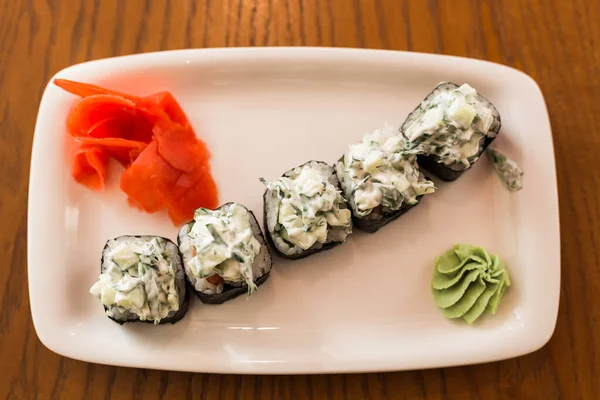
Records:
x=142, y=279
x=450, y=129
x=224, y=253
x=305, y=211
x=379, y=180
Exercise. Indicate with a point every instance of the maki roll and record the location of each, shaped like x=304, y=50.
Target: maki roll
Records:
x=450, y=129
x=305, y=211
x=224, y=253
x=379, y=180
x=142, y=279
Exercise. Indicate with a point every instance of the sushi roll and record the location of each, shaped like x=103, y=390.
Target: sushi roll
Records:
x=142, y=279
x=224, y=253
x=379, y=180
x=305, y=211
x=450, y=129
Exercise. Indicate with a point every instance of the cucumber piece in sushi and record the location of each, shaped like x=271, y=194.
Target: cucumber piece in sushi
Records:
x=142, y=279
x=305, y=211
x=224, y=253
x=379, y=180
x=450, y=129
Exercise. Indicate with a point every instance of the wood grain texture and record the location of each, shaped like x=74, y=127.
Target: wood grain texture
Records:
x=556, y=42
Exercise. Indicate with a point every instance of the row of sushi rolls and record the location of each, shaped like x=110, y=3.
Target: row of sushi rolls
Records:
x=222, y=253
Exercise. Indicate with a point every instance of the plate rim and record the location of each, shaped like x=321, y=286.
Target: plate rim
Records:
x=333, y=53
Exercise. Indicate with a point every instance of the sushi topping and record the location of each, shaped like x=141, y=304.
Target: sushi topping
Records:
x=138, y=278
x=451, y=125
x=167, y=166
x=223, y=244
x=468, y=282
x=508, y=170
x=380, y=173
x=308, y=206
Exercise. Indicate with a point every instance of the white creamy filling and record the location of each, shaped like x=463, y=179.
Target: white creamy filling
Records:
x=381, y=173
x=309, y=205
x=223, y=243
x=508, y=170
x=451, y=126
x=138, y=279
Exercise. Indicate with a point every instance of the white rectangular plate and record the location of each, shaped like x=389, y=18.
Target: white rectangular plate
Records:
x=363, y=306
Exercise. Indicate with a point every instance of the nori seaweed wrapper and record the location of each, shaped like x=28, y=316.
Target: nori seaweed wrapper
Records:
x=444, y=172
x=305, y=253
x=317, y=247
x=430, y=162
x=229, y=291
x=373, y=225
x=181, y=284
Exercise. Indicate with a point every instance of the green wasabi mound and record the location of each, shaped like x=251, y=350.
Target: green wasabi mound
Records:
x=468, y=282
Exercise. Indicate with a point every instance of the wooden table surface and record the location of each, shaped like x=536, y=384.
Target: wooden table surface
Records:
x=554, y=41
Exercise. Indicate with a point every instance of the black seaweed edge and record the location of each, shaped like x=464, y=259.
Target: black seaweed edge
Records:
x=229, y=292
x=443, y=172
x=309, y=252
x=183, y=308
x=430, y=163
x=373, y=225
